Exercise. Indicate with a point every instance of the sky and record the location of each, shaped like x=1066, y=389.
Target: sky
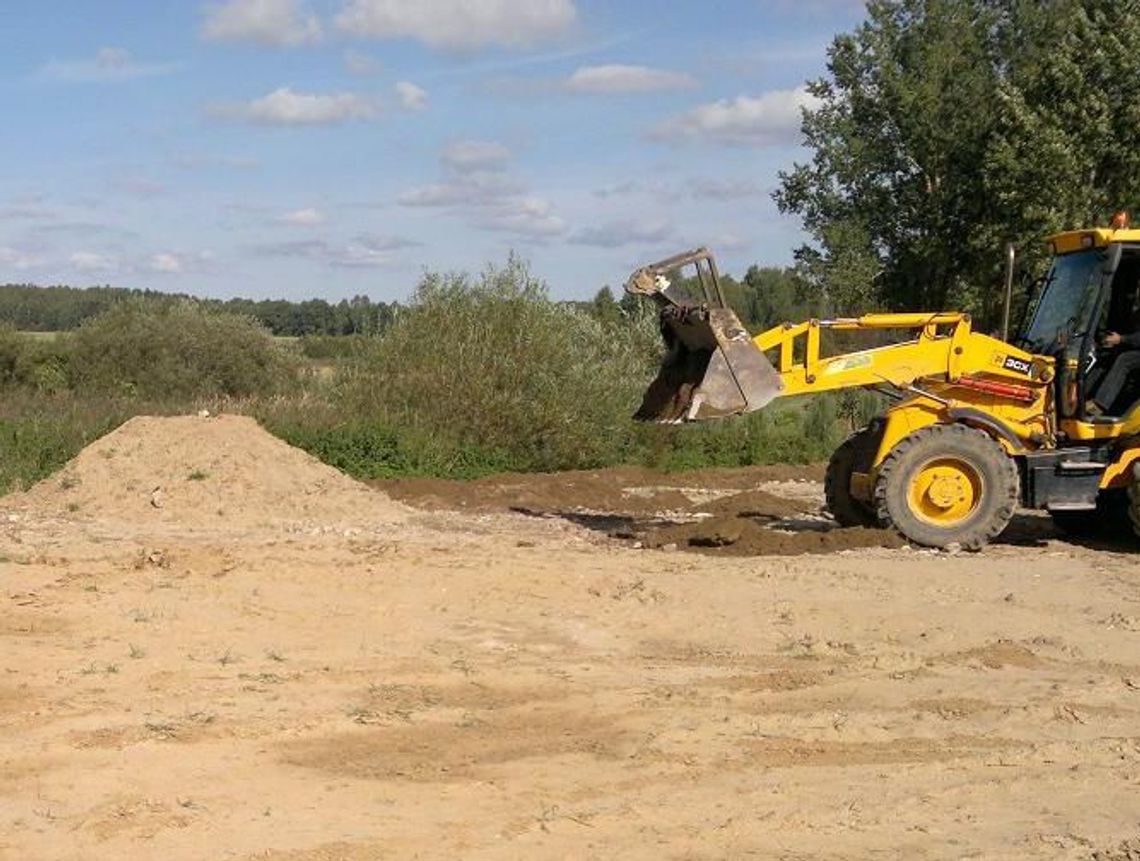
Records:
x=328, y=148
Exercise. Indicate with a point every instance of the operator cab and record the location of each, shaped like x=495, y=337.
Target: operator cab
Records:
x=1092, y=288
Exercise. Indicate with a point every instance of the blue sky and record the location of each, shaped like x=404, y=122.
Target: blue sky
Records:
x=324, y=148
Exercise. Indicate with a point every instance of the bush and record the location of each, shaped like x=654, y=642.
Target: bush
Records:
x=12, y=348
x=324, y=347
x=176, y=350
x=493, y=366
x=784, y=432
x=39, y=433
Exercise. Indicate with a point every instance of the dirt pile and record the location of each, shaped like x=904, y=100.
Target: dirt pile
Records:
x=745, y=536
x=224, y=471
x=759, y=523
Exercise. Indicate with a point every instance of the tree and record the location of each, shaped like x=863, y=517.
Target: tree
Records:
x=776, y=296
x=605, y=307
x=945, y=128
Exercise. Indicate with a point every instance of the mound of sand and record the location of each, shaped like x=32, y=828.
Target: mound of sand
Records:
x=744, y=536
x=223, y=471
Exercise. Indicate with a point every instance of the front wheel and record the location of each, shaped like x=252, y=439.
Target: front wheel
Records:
x=947, y=485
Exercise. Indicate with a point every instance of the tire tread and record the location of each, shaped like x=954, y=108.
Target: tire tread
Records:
x=979, y=534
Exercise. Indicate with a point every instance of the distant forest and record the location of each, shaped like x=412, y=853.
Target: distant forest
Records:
x=764, y=296
x=58, y=309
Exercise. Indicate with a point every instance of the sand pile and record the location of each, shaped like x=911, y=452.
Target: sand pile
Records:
x=218, y=471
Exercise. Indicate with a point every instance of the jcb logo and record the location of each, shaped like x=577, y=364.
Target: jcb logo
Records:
x=1018, y=366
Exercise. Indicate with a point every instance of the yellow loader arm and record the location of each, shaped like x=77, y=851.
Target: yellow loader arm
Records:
x=942, y=347
x=714, y=369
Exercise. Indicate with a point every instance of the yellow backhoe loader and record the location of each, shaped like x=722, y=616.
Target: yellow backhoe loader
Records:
x=978, y=425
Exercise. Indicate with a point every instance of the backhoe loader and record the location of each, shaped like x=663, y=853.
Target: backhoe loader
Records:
x=977, y=426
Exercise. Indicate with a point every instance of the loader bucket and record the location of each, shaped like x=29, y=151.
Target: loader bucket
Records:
x=712, y=369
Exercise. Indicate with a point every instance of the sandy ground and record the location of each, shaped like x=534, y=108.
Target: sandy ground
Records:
x=320, y=672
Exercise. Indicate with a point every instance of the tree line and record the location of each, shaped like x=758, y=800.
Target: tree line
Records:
x=763, y=297
x=60, y=309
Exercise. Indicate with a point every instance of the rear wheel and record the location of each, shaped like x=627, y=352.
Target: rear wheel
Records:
x=854, y=455
x=947, y=485
x=1134, y=500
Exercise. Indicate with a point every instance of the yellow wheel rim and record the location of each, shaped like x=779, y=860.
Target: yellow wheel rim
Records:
x=945, y=491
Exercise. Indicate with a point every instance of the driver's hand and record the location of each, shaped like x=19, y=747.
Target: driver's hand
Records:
x=1112, y=339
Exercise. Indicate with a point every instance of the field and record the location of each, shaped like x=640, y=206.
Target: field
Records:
x=212, y=645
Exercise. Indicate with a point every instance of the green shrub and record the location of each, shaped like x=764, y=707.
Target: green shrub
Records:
x=784, y=432
x=39, y=433
x=493, y=365
x=176, y=350
x=326, y=347
x=12, y=348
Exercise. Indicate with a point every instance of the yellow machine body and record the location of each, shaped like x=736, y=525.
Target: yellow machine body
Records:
x=939, y=367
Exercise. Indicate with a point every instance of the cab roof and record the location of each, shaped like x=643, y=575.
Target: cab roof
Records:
x=1094, y=237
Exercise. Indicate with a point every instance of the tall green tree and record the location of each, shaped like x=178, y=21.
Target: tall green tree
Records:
x=945, y=128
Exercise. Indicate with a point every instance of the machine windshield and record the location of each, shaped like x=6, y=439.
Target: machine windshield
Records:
x=1067, y=302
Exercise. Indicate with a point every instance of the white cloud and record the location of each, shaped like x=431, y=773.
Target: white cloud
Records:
x=109, y=65
x=478, y=187
x=166, y=263
x=771, y=118
x=13, y=258
x=411, y=97
x=91, y=261
x=470, y=155
x=307, y=217
x=282, y=23
x=362, y=65
x=473, y=188
x=726, y=189
x=459, y=24
x=364, y=252
x=618, y=233
x=626, y=79
x=286, y=107
x=526, y=216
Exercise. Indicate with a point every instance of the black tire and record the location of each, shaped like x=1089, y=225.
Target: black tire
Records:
x=1134, y=500
x=987, y=487
x=854, y=455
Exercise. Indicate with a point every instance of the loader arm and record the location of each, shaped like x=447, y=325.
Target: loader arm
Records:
x=714, y=368
x=943, y=346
